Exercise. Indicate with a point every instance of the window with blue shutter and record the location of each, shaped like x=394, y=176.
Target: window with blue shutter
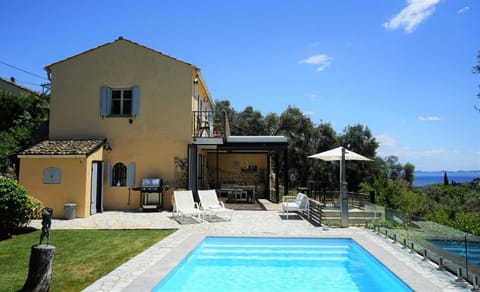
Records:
x=52, y=175
x=120, y=175
x=118, y=102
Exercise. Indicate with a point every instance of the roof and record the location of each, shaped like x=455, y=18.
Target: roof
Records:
x=119, y=39
x=257, y=139
x=254, y=143
x=65, y=147
x=14, y=87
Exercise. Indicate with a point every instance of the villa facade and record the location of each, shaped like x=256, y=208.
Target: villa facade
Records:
x=121, y=112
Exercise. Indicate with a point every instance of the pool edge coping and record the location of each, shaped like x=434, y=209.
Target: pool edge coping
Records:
x=377, y=247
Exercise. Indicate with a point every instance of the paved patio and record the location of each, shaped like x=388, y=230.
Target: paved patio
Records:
x=145, y=270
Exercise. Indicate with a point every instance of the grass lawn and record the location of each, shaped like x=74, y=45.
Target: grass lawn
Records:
x=81, y=256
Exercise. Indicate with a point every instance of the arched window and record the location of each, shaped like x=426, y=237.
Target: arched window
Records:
x=119, y=175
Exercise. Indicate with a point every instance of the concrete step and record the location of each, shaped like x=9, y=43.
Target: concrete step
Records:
x=355, y=217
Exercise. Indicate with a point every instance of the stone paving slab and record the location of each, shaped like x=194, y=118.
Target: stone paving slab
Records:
x=141, y=273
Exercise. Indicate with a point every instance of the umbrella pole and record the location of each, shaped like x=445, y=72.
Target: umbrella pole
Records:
x=343, y=192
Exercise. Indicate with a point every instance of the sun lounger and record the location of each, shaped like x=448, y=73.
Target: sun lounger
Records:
x=185, y=206
x=297, y=203
x=209, y=202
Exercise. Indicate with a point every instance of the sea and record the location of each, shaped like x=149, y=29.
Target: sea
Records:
x=423, y=178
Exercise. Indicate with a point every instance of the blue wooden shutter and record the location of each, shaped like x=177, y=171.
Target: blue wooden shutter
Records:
x=105, y=101
x=131, y=174
x=47, y=175
x=136, y=100
x=109, y=174
x=57, y=175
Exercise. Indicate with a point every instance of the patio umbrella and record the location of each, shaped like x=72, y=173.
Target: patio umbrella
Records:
x=341, y=154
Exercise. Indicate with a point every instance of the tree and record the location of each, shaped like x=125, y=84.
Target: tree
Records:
x=408, y=170
x=359, y=139
x=325, y=174
x=23, y=122
x=249, y=123
x=272, y=124
x=476, y=70
x=445, y=178
x=394, y=168
x=299, y=130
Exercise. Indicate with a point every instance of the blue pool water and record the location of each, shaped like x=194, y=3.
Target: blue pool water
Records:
x=280, y=264
x=457, y=247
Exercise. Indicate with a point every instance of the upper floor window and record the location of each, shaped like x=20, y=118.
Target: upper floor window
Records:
x=119, y=101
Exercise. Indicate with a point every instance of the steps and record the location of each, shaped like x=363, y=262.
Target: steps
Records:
x=332, y=216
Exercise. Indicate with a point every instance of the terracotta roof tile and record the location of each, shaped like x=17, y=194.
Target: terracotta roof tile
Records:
x=65, y=146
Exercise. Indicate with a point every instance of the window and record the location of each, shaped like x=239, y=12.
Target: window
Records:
x=120, y=175
x=52, y=175
x=119, y=101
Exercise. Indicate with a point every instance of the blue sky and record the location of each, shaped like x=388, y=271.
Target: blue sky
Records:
x=402, y=68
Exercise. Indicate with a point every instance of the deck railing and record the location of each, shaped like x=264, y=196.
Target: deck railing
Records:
x=331, y=198
x=210, y=124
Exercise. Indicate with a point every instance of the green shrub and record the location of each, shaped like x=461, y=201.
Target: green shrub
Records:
x=17, y=208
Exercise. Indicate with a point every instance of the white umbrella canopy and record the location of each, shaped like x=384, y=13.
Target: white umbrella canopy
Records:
x=336, y=154
x=341, y=154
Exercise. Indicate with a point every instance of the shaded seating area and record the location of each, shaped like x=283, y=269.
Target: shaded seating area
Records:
x=298, y=203
x=212, y=206
x=185, y=206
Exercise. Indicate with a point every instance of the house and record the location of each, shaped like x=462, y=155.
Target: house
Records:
x=12, y=87
x=122, y=112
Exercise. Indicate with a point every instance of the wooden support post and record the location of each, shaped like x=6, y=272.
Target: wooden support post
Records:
x=40, y=269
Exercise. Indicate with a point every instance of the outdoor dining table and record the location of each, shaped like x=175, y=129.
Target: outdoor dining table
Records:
x=249, y=189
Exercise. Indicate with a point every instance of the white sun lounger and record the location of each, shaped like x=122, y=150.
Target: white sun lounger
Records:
x=185, y=206
x=209, y=202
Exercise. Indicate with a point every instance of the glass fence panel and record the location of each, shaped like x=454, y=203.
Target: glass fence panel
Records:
x=451, y=249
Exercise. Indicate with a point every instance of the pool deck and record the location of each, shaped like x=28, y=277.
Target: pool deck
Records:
x=144, y=271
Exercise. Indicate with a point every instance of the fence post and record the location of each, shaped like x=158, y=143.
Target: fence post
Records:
x=440, y=264
x=459, y=275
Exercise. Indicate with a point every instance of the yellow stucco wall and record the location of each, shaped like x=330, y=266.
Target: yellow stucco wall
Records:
x=161, y=131
x=75, y=185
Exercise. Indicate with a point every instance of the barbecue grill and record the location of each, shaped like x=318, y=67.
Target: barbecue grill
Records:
x=151, y=191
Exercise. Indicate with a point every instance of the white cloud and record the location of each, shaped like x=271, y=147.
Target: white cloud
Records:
x=322, y=61
x=386, y=141
x=464, y=9
x=412, y=15
x=430, y=118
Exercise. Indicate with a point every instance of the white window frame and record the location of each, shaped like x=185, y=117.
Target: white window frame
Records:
x=106, y=101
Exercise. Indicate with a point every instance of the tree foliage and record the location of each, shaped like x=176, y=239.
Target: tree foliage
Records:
x=476, y=70
x=304, y=139
x=23, y=122
x=17, y=208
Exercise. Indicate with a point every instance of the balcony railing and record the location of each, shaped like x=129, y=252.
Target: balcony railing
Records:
x=210, y=124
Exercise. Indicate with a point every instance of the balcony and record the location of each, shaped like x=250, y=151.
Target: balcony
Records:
x=211, y=125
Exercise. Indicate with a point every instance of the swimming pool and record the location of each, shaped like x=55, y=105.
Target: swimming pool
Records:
x=280, y=264
x=457, y=247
